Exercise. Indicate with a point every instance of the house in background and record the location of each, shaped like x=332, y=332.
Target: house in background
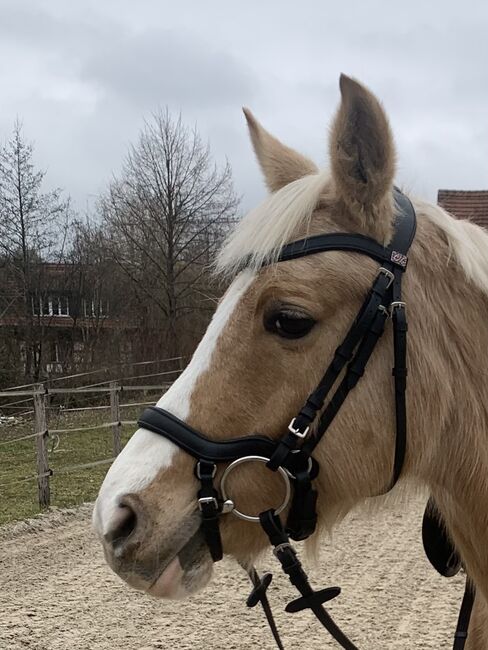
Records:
x=61, y=322
x=466, y=204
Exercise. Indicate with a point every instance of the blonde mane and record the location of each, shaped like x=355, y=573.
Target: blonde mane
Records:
x=468, y=242
x=260, y=235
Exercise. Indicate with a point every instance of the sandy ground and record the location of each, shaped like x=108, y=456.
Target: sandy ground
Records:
x=57, y=593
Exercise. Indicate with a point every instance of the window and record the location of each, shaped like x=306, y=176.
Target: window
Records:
x=95, y=308
x=63, y=306
x=50, y=306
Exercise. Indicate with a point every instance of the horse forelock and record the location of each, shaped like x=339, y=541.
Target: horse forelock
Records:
x=260, y=235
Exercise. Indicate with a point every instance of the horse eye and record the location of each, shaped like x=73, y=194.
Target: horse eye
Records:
x=289, y=324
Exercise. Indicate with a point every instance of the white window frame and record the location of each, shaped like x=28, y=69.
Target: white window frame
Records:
x=62, y=310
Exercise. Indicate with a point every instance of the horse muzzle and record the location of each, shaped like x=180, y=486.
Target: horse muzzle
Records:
x=146, y=556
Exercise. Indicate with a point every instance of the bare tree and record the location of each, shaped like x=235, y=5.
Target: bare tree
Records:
x=32, y=230
x=165, y=214
x=102, y=314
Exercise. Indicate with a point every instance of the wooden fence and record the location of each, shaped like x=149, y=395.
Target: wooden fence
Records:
x=40, y=393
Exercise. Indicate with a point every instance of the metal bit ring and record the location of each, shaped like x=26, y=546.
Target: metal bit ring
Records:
x=260, y=459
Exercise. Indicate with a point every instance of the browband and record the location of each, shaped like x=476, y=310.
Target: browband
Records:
x=338, y=241
x=395, y=253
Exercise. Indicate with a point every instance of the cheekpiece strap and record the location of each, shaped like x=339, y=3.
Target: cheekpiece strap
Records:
x=210, y=508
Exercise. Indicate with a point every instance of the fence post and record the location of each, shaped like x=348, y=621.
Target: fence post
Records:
x=115, y=415
x=41, y=446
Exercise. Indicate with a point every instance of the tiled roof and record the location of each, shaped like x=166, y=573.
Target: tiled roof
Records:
x=466, y=204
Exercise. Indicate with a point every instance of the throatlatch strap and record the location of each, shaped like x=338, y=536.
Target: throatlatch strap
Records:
x=399, y=372
x=461, y=634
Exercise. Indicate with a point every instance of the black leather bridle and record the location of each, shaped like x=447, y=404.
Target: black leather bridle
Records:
x=292, y=454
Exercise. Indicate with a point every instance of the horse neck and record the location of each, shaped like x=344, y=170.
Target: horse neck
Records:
x=448, y=393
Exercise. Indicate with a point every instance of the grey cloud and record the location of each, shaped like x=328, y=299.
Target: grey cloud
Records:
x=163, y=67
x=83, y=75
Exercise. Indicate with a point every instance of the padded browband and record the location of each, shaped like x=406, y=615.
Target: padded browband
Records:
x=337, y=241
x=194, y=443
x=356, y=243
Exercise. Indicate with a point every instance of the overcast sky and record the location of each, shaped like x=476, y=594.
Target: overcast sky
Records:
x=83, y=74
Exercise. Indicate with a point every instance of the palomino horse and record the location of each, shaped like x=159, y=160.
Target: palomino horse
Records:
x=273, y=334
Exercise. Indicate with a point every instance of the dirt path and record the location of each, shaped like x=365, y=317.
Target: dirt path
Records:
x=56, y=593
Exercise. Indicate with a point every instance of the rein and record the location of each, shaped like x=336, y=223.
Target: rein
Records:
x=292, y=454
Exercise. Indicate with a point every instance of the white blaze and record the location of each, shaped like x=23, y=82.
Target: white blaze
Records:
x=147, y=453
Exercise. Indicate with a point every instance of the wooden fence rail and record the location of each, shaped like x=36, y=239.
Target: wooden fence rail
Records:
x=75, y=391
x=40, y=394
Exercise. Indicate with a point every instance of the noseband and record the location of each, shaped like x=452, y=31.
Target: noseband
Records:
x=292, y=455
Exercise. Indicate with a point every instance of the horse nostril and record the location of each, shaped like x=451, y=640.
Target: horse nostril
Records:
x=122, y=526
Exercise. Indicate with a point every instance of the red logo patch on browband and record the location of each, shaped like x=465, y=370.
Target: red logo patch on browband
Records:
x=399, y=258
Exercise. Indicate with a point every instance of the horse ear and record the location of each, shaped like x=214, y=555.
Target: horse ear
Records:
x=279, y=164
x=362, y=152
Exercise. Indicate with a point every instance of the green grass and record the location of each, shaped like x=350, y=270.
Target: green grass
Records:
x=19, y=500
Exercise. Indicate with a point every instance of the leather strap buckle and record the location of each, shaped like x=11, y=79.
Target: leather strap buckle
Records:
x=385, y=311
x=198, y=470
x=203, y=501
x=388, y=274
x=285, y=546
x=296, y=431
x=397, y=304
